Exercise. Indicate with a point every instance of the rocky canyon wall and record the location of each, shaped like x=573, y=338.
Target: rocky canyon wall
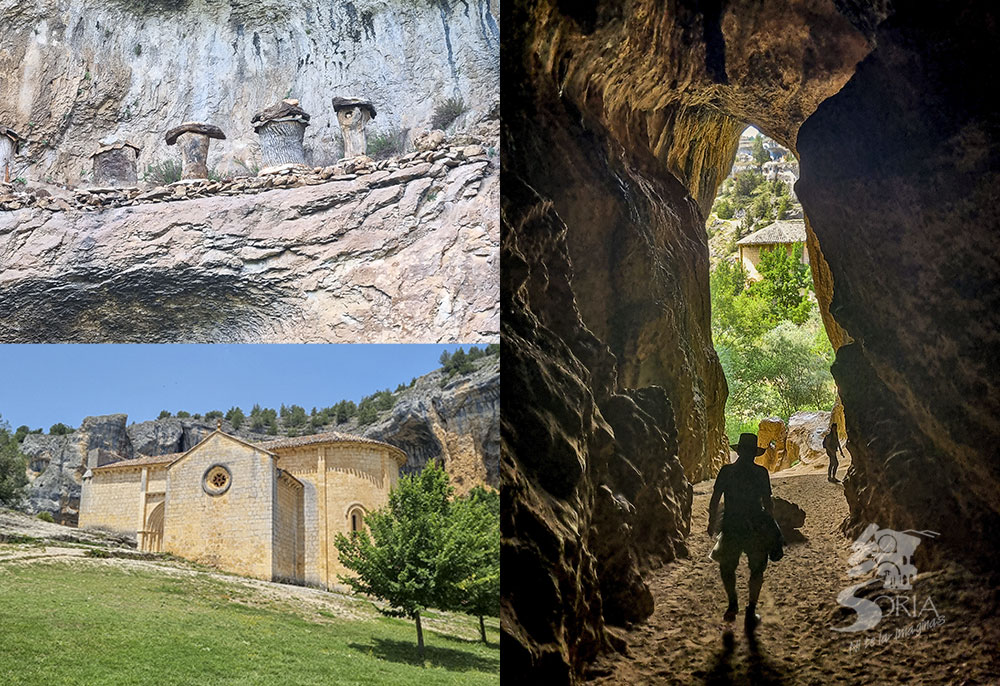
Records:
x=408, y=252
x=73, y=72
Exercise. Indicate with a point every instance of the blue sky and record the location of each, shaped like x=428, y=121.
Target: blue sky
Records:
x=44, y=384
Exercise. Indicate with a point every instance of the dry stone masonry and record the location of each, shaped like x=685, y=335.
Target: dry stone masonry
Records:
x=114, y=165
x=281, y=128
x=193, y=139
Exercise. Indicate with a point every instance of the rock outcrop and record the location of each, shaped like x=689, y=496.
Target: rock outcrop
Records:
x=453, y=421
x=772, y=435
x=806, y=431
x=408, y=252
x=75, y=72
x=56, y=464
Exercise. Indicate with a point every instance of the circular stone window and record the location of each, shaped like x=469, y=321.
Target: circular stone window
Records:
x=217, y=480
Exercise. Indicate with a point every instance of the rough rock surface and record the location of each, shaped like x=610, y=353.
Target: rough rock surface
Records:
x=74, y=72
x=773, y=430
x=455, y=422
x=806, y=431
x=406, y=255
x=612, y=156
x=56, y=463
x=915, y=272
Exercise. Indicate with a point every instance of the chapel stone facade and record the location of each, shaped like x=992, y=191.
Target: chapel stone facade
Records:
x=267, y=510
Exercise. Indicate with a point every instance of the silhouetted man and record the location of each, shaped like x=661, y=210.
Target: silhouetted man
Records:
x=831, y=443
x=747, y=525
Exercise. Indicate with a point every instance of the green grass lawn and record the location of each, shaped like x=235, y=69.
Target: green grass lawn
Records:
x=93, y=623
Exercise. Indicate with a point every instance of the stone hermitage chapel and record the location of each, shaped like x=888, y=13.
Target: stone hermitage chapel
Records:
x=269, y=510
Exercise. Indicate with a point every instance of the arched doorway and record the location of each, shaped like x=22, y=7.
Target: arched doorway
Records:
x=152, y=540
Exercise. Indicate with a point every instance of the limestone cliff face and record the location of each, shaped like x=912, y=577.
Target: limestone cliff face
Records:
x=409, y=255
x=454, y=421
x=75, y=71
x=56, y=464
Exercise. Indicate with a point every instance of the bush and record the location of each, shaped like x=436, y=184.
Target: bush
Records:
x=181, y=414
x=163, y=172
x=164, y=414
x=46, y=517
x=60, y=429
x=235, y=417
x=13, y=465
x=446, y=112
x=723, y=208
x=214, y=414
x=388, y=144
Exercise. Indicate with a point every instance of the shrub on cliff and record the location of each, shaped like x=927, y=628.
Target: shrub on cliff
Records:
x=163, y=172
x=60, y=429
x=387, y=144
x=446, y=112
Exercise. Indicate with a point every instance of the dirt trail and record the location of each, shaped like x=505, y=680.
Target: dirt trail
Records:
x=683, y=641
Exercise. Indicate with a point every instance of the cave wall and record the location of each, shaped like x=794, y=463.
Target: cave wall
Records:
x=899, y=177
x=620, y=121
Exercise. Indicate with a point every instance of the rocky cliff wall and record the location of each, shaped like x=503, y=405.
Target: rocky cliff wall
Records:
x=73, y=72
x=408, y=252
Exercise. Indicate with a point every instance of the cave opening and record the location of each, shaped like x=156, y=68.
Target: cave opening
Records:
x=767, y=328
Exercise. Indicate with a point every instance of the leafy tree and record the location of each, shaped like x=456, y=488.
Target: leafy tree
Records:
x=13, y=466
x=475, y=527
x=784, y=205
x=182, y=414
x=164, y=414
x=747, y=182
x=723, y=208
x=235, y=417
x=213, y=414
x=759, y=152
x=295, y=416
x=342, y=415
x=408, y=556
x=785, y=284
x=21, y=432
x=60, y=429
x=443, y=359
x=493, y=349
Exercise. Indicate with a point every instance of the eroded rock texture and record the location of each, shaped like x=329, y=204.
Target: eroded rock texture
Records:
x=633, y=109
x=899, y=178
x=453, y=421
x=74, y=72
x=387, y=257
x=621, y=121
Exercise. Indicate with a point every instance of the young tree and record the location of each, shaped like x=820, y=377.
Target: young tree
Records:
x=183, y=414
x=235, y=417
x=13, y=477
x=164, y=414
x=475, y=530
x=785, y=284
x=759, y=152
x=407, y=556
x=60, y=429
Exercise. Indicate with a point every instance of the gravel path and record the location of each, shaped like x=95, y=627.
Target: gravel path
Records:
x=685, y=641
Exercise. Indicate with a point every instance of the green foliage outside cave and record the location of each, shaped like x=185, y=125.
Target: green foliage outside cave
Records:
x=13, y=477
x=770, y=340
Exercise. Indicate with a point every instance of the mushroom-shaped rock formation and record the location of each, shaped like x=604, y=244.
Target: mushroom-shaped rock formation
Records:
x=281, y=128
x=115, y=165
x=193, y=138
x=9, y=143
x=353, y=114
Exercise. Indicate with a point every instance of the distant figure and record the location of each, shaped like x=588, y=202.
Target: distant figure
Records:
x=748, y=525
x=831, y=443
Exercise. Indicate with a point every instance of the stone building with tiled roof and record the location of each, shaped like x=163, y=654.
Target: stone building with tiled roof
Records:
x=268, y=510
x=785, y=234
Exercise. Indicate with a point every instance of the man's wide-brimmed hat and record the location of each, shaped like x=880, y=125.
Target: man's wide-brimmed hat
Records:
x=748, y=443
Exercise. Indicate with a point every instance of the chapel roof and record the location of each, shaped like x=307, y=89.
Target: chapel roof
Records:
x=784, y=231
x=142, y=461
x=326, y=437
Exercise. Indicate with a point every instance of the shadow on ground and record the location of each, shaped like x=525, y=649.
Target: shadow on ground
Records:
x=759, y=669
x=452, y=659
